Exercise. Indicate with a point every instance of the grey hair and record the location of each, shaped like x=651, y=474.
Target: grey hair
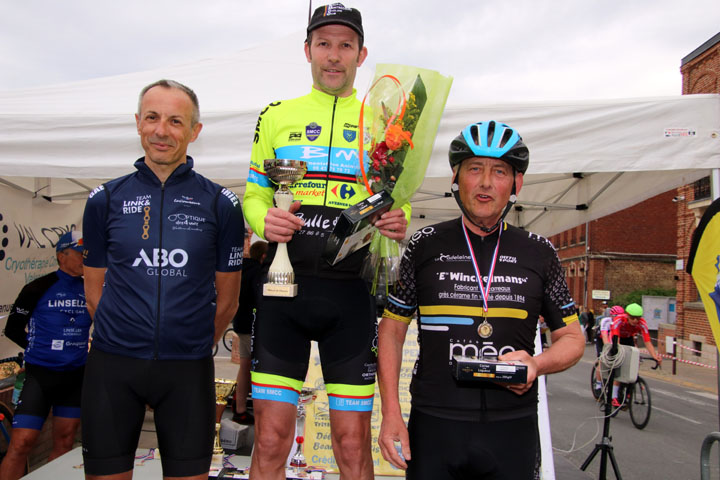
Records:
x=173, y=84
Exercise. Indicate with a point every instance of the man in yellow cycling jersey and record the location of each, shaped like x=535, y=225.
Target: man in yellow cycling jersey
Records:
x=333, y=305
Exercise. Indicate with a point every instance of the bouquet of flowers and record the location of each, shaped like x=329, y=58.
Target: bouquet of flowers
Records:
x=399, y=131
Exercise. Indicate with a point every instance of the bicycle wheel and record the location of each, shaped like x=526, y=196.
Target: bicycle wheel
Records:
x=593, y=383
x=227, y=339
x=215, y=349
x=640, y=404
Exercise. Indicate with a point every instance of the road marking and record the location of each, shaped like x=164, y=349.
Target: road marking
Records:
x=694, y=401
x=676, y=415
x=711, y=396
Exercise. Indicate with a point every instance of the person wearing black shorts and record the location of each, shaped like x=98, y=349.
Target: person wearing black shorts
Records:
x=163, y=253
x=479, y=286
x=53, y=310
x=333, y=305
x=243, y=325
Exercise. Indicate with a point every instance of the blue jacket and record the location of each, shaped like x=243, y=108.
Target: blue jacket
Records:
x=52, y=308
x=162, y=245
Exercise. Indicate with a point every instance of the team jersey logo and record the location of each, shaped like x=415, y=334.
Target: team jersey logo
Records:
x=312, y=131
x=349, y=135
x=295, y=137
x=136, y=206
x=161, y=258
x=343, y=191
x=158, y=262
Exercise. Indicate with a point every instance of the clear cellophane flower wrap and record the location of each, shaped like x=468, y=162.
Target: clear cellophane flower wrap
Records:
x=399, y=119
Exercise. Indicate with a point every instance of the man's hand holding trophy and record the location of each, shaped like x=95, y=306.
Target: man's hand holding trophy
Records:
x=284, y=173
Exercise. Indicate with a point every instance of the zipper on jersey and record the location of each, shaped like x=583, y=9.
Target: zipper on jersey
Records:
x=327, y=171
x=159, y=274
x=330, y=144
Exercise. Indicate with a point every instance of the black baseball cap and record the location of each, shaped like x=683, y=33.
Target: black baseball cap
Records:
x=336, y=14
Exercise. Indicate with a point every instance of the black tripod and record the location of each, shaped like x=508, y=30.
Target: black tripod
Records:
x=605, y=445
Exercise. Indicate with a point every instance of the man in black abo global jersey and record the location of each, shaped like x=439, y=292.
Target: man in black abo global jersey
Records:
x=167, y=243
x=479, y=286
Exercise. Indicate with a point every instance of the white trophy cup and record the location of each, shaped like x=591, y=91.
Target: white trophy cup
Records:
x=281, y=277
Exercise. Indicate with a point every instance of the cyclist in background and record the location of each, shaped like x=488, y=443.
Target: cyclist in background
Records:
x=602, y=336
x=243, y=324
x=53, y=310
x=626, y=326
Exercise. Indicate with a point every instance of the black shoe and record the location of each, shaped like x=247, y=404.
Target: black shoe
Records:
x=244, y=418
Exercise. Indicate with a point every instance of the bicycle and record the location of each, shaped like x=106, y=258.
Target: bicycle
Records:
x=226, y=341
x=636, y=396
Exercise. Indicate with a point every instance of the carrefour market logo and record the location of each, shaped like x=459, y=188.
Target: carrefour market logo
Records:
x=343, y=191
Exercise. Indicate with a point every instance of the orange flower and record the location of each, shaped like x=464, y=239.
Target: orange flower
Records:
x=394, y=136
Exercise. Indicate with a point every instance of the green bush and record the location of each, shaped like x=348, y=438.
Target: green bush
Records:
x=636, y=296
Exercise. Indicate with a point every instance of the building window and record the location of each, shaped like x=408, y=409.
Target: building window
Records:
x=572, y=269
x=697, y=347
x=582, y=268
x=701, y=188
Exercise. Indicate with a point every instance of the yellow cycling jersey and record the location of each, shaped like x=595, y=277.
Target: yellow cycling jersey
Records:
x=323, y=131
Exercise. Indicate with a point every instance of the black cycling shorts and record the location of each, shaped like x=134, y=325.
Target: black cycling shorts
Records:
x=115, y=394
x=464, y=450
x=340, y=316
x=45, y=388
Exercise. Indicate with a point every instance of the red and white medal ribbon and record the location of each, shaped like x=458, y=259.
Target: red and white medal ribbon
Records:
x=484, y=329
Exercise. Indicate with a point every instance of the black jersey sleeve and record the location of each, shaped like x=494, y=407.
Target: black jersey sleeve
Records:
x=558, y=309
x=402, y=303
x=24, y=306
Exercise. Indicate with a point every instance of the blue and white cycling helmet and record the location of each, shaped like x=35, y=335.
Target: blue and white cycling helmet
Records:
x=488, y=139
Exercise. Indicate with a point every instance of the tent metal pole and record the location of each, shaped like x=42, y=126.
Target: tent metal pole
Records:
x=715, y=192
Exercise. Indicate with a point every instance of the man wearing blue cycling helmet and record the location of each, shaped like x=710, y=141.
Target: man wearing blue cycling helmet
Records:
x=478, y=286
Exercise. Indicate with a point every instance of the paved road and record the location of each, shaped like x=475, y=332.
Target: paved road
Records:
x=668, y=448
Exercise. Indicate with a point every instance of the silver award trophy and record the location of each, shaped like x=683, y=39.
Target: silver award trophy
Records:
x=283, y=172
x=306, y=397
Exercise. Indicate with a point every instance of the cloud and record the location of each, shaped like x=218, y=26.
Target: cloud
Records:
x=497, y=51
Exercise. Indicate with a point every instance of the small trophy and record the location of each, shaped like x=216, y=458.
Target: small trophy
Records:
x=283, y=172
x=307, y=396
x=223, y=390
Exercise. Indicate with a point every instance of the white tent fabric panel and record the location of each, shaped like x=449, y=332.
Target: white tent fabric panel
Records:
x=603, y=155
x=612, y=136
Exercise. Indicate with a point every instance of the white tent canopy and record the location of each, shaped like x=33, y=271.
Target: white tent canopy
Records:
x=588, y=159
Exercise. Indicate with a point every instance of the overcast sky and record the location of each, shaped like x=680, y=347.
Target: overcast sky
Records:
x=514, y=50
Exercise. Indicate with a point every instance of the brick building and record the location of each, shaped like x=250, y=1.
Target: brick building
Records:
x=700, y=74
x=631, y=249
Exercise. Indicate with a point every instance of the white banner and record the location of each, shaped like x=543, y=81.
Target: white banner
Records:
x=29, y=230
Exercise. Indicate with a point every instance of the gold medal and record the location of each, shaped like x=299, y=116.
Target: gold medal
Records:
x=485, y=329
